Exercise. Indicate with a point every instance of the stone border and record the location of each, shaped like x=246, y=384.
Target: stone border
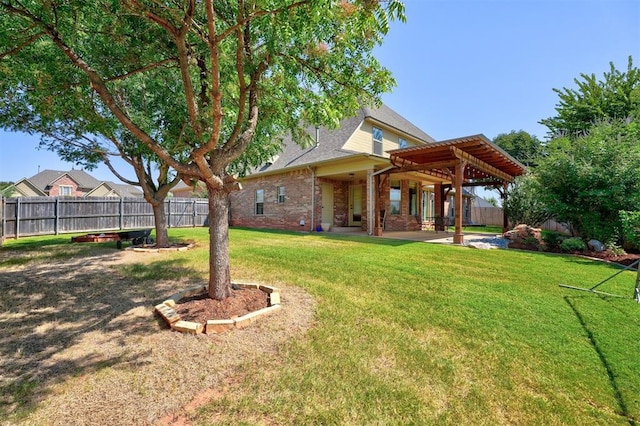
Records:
x=152, y=249
x=171, y=317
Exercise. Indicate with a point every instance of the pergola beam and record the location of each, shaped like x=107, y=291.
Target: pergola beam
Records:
x=479, y=164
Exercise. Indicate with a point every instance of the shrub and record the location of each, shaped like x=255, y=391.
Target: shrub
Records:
x=630, y=224
x=533, y=242
x=615, y=249
x=553, y=240
x=573, y=244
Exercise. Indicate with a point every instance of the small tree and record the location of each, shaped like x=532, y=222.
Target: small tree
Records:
x=86, y=139
x=523, y=204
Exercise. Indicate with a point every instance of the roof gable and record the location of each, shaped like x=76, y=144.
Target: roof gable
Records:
x=330, y=142
x=25, y=187
x=47, y=177
x=390, y=118
x=112, y=188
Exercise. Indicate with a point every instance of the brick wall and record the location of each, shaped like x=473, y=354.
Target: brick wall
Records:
x=403, y=221
x=55, y=191
x=295, y=209
x=298, y=203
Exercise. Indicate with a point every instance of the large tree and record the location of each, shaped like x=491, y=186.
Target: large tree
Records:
x=522, y=146
x=616, y=96
x=224, y=78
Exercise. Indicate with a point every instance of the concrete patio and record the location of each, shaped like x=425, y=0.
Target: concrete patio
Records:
x=475, y=239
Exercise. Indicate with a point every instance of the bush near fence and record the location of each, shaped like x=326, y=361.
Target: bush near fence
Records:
x=30, y=216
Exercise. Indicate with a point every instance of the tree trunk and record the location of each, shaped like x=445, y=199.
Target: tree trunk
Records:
x=219, y=275
x=162, y=237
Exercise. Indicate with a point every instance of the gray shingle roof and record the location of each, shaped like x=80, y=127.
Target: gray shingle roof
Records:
x=47, y=177
x=387, y=116
x=124, y=190
x=330, y=141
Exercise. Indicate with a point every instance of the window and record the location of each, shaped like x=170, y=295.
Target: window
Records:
x=65, y=190
x=377, y=141
x=280, y=194
x=413, y=199
x=395, y=197
x=259, y=201
x=402, y=143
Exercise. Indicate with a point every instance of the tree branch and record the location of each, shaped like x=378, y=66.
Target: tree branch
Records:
x=141, y=70
x=18, y=48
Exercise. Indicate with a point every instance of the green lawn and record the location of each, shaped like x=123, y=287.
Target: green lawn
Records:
x=417, y=333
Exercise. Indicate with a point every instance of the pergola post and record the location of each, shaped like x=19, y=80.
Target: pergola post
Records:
x=458, y=236
x=505, y=219
x=438, y=202
x=377, y=226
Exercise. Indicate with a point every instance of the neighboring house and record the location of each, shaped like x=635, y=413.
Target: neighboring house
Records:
x=182, y=190
x=72, y=183
x=111, y=189
x=376, y=171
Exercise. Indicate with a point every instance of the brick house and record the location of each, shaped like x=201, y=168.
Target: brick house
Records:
x=72, y=183
x=371, y=173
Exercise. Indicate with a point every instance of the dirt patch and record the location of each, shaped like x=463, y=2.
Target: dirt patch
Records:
x=201, y=307
x=81, y=344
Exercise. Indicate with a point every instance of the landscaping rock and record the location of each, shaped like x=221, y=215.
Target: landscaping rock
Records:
x=596, y=246
x=524, y=235
x=480, y=245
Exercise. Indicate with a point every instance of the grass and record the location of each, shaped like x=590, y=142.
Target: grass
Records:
x=488, y=229
x=415, y=333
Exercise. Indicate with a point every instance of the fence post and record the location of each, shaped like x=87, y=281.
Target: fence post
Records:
x=195, y=214
x=56, y=217
x=169, y=215
x=3, y=207
x=121, y=214
x=17, y=218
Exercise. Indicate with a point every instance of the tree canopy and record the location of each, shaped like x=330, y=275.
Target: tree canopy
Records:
x=589, y=180
x=206, y=88
x=616, y=96
x=522, y=146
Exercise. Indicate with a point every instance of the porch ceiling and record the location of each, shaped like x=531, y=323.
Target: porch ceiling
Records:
x=485, y=161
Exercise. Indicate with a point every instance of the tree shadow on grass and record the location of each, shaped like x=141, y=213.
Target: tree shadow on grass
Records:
x=71, y=315
x=617, y=393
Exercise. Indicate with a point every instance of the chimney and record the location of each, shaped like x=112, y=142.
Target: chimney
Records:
x=317, y=136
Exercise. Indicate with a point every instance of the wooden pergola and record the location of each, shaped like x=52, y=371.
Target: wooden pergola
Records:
x=456, y=163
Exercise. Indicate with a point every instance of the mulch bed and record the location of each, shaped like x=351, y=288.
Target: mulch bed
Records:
x=624, y=259
x=201, y=307
x=606, y=255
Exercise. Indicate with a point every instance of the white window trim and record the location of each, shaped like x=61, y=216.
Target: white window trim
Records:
x=67, y=187
x=281, y=195
x=259, y=200
x=377, y=143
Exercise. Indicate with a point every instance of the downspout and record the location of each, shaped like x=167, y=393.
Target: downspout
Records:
x=313, y=197
x=313, y=184
x=371, y=203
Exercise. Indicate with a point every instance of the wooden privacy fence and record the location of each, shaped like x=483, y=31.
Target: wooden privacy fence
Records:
x=28, y=216
x=487, y=216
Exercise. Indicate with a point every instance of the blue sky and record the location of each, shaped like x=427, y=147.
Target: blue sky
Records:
x=463, y=67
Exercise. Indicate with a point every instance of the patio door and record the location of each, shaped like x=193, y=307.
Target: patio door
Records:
x=355, y=205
